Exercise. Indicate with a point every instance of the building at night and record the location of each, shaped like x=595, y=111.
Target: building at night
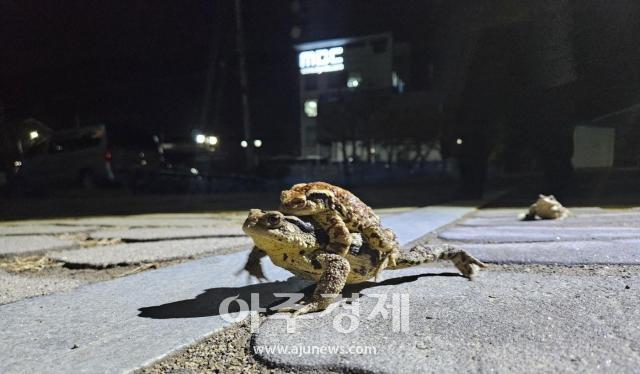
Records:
x=334, y=68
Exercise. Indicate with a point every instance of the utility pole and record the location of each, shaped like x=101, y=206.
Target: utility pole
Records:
x=211, y=74
x=246, y=114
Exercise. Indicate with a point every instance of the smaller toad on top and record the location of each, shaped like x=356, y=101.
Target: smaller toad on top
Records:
x=340, y=212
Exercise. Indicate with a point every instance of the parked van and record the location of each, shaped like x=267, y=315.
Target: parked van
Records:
x=79, y=157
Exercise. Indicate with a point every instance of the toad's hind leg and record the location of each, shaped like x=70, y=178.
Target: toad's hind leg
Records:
x=424, y=253
x=334, y=276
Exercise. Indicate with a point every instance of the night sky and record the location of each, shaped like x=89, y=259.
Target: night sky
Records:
x=141, y=67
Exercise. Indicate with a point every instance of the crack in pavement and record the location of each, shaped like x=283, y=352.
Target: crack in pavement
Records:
x=130, y=240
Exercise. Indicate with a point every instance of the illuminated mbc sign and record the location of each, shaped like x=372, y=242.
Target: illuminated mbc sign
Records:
x=321, y=60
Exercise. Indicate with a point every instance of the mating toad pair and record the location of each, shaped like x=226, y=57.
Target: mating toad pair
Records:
x=326, y=234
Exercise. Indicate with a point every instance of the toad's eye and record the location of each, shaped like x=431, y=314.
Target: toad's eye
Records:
x=273, y=220
x=297, y=202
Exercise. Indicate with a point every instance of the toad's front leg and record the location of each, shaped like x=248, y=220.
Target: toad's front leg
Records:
x=531, y=214
x=253, y=266
x=335, y=270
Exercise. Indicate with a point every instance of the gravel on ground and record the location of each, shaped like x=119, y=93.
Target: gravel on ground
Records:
x=226, y=351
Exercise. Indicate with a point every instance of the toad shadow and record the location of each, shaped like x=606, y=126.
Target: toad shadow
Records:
x=208, y=303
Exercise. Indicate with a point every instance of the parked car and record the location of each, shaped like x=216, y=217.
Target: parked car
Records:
x=79, y=157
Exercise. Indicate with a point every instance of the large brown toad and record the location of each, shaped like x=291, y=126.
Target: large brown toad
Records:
x=298, y=246
x=339, y=213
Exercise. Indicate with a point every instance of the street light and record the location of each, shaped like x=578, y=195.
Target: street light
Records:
x=257, y=143
x=33, y=135
x=244, y=144
x=212, y=140
x=200, y=138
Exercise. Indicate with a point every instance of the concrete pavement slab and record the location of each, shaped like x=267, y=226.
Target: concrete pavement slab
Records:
x=15, y=287
x=597, y=221
x=135, y=253
x=565, y=253
x=606, y=218
x=408, y=226
x=31, y=244
x=165, y=233
x=162, y=221
x=522, y=234
x=413, y=224
x=99, y=327
x=513, y=212
x=502, y=322
x=6, y=230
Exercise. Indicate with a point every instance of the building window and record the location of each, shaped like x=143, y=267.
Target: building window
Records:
x=354, y=80
x=311, y=108
x=397, y=82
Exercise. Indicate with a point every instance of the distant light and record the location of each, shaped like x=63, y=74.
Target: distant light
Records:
x=200, y=138
x=33, y=135
x=350, y=159
x=373, y=151
x=459, y=141
x=212, y=140
x=354, y=80
x=17, y=163
x=311, y=108
x=257, y=143
x=194, y=171
x=244, y=144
